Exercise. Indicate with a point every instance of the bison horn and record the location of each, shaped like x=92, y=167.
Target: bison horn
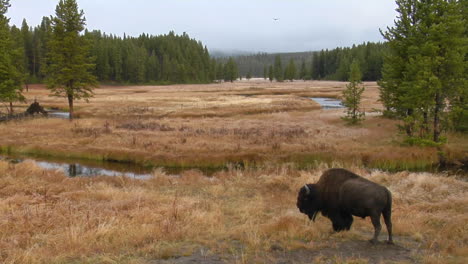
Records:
x=307, y=189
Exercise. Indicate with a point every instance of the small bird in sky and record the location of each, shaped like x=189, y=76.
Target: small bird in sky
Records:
x=276, y=19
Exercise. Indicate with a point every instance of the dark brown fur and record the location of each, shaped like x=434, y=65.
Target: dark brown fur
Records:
x=339, y=194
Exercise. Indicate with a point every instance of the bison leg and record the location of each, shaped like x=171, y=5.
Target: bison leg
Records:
x=387, y=215
x=377, y=227
x=347, y=221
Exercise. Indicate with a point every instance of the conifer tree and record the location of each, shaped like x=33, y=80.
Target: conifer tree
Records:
x=230, y=70
x=10, y=62
x=427, y=64
x=271, y=73
x=27, y=41
x=69, y=72
x=290, y=71
x=303, y=71
x=352, y=95
x=249, y=75
x=315, y=66
x=278, y=69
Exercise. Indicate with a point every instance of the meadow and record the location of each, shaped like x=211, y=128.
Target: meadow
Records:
x=207, y=126
x=265, y=139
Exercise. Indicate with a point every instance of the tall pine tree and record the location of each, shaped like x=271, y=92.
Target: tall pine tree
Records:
x=230, y=70
x=10, y=62
x=303, y=71
x=290, y=71
x=271, y=73
x=426, y=65
x=69, y=72
x=278, y=69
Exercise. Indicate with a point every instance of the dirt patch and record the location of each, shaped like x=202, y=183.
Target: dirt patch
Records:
x=350, y=250
x=356, y=251
x=195, y=258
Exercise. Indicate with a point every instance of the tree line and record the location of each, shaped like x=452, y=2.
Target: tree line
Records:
x=166, y=58
x=61, y=49
x=318, y=65
x=71, y=60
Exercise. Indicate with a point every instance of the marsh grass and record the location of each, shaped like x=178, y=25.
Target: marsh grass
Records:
x=46, y=217
x=212, y=125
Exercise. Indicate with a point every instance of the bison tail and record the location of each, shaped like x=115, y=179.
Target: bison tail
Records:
x=387, y=211
x=387, y=214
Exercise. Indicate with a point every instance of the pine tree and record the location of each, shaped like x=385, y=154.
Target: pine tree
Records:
x=315, y=66
x=352, y=95
x=271, y=73
x=70, y=66
x=426, y=67
x=10, y=62
x=27, y=39
x=230, y=70
x=290, y=71
x=265, y=72
x=303, y=71
x=278, y=69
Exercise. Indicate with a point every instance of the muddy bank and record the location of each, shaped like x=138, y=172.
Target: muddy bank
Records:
x=333, y=251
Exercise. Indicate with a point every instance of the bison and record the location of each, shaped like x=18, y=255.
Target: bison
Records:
x=339, y=194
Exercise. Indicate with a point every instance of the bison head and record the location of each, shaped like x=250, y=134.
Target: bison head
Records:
x=308, y=200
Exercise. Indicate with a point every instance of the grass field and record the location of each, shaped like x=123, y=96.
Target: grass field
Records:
x=235, y=217
x=270, y=138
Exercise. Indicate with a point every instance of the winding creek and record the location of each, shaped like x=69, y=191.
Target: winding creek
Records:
x=75, y=168
x=328, y=103
x=89, y=168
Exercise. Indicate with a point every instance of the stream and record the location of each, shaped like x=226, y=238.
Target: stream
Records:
x=86, y=168
x=328, y=103
x=90, y=168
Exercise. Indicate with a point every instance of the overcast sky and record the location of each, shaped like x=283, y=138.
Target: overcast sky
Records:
x=240, y=25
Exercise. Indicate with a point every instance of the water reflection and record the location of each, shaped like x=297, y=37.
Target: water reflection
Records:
x=328, y=103
x=90, y=168
x=78, y=170
x=58, y=114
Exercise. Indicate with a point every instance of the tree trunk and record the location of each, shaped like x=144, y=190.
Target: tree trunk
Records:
x=34, y=64
x=409, y=127
x=70, y=105
x=11, y=108
x=425, y=126
x=437, y=109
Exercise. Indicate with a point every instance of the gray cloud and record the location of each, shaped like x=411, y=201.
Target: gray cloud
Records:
x=233, y=25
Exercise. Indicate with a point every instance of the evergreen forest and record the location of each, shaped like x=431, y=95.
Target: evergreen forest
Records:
x=172, y=58
x=169, y=58
x=319, y=65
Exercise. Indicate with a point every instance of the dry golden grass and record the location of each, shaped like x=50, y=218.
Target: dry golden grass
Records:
x=209, y=125
x=240, y=216
x=246, y=216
